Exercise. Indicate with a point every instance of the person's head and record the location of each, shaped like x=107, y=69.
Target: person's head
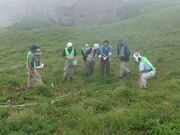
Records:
x=120, y=42
x=86, y=46
x=38, y=52
x=137, y=56
x=69, y=45
x=96, y=46
x=34, y=48
x=106, y=43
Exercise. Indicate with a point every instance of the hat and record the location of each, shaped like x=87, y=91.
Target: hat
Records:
x=137, y=56
x=86, y=45
x=96, y=46
x=38, y=52
x=33, y=47
x=69, y=44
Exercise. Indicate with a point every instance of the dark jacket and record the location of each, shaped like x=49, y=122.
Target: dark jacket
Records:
x=126, y=52
x=83, y=54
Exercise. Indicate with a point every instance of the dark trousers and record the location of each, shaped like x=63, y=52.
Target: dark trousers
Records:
x=89, y=68
x=104, y=64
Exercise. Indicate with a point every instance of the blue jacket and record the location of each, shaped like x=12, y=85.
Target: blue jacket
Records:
x=105, y=51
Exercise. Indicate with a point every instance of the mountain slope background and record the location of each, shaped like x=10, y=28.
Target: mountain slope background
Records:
x=98, y=104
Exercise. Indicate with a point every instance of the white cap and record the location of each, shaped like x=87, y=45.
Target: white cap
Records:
x=137, y=56
x=86, y=45
x=96, y=46
x=69, y=44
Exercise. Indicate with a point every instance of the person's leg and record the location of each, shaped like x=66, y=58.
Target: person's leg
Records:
x=30, y=79
x=122, y=68
x=102, y=65
x=84, y=62
x=92, y=68
x=127, y=70
x=71, y=69
x=146, y=76
x=143, y=83
x=107, y=68
x=87, y=68
x=37, y=78
x=66, y=69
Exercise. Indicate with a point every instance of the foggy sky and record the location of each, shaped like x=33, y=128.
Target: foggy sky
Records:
x=13, y=11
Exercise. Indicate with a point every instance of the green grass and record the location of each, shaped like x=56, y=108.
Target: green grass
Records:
x=119, y=107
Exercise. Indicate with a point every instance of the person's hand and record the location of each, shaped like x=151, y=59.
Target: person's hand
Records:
x=121, y=58
x=68, y=59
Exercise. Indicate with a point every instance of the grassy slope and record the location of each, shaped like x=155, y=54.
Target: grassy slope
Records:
x=120, y=108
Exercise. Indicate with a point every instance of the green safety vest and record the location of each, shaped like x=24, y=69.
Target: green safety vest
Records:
x=27, y=63
x=69, y=54
x=84, y=49
x=145, y=60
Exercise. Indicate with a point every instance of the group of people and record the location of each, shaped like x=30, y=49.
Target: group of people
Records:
x=90, y=56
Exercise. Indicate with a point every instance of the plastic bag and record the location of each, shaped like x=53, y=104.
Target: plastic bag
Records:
x=75, y=62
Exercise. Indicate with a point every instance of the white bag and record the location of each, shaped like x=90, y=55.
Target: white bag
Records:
x=75, y=62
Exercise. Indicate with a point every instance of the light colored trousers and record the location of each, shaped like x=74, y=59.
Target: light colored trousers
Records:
x=146, y=76
x=123, y=68
x=33, y=78
x=68, y=67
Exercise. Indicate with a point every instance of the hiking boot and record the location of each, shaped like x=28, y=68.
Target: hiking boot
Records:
x=30, y=88
x=71, y=78
x=120, y=77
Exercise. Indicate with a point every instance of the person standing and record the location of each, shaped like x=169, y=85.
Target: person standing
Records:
x=33, y=75
x=69, y=54
x=37, y=54
x=146, y=70
x=84, y=49
x=106, y=52
x=123, y=54
x=92, y=55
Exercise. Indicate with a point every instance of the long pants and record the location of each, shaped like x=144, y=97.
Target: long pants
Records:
x=89, y=68
x=68, y=67
x=123, y=68
x=33, y=78
x=102, y=66
x=84, y=63
x=146, y=76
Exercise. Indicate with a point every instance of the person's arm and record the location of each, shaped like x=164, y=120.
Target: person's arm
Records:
x=101, y=51
x=30, y=66
x=141, y=69
x=75, y=54
x=111, y=49
x=119, y=55
x=88, y=52
x=140, y=75
x=126, y=52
